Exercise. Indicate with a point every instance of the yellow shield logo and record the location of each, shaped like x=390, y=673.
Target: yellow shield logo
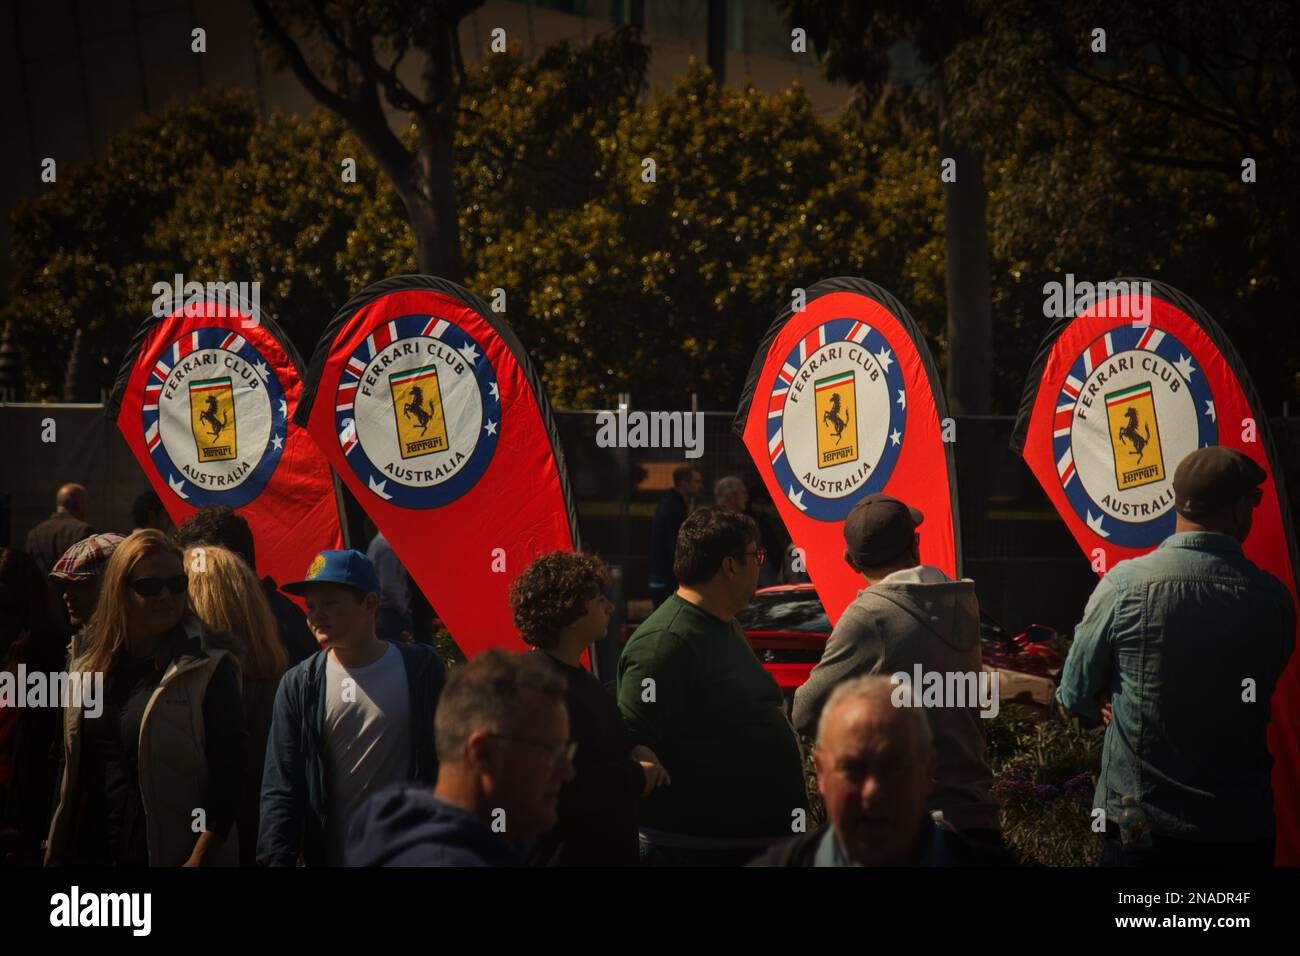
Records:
x=212, y=419
x=317, y=566
x=417, y=404
x=1134, y=436
x=837, y=420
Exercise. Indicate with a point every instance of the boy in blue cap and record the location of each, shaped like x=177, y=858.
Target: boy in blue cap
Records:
x=348, y=721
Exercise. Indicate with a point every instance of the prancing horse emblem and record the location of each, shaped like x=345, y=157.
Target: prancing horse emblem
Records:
x=832, y=417
x=1130, y=435
x=209, y=416
x=415, y=409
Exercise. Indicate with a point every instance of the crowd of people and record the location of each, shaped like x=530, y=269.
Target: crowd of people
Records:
x=232, y=729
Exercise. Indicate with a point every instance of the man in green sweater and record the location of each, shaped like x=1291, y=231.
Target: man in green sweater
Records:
x=692, y=690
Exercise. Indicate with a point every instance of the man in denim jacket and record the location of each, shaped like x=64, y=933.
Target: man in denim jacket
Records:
x=1181, y=648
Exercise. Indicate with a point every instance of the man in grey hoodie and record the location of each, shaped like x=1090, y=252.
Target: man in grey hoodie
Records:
x=911, y=615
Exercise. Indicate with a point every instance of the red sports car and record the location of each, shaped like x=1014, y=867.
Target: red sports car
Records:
x=787, y=627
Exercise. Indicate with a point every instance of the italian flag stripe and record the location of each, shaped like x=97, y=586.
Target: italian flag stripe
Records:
x=1119, y=398
x=427, y=371
x=208, y=384
x=835, y=380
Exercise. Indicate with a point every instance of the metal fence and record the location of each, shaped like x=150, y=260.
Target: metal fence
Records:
x=1025, y=564
x=1024, y=561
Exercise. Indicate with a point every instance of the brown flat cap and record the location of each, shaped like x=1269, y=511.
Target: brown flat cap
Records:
x=879, y=529
x=1211, y=479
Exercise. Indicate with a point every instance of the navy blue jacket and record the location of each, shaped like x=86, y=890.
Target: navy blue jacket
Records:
x=670, y=513
x=295, y=790
x=406, y=825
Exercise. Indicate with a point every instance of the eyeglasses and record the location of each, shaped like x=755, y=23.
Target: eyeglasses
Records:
x=566, y=751
x=760, y=553
x=149, y=587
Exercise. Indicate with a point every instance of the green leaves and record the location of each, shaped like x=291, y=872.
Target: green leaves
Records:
x=660, y=288
x=86, y=253
x=654, y=288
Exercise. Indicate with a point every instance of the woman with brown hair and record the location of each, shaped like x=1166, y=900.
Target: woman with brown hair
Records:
x=154, y=755
x=560, y=608
x=228, y=598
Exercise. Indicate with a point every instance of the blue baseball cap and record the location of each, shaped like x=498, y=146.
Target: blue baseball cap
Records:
x=350, y=568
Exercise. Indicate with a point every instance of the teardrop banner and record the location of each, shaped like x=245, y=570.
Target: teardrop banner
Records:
x=204, y=398
x=842, y=401
x=1117, y=396
x=430, y=410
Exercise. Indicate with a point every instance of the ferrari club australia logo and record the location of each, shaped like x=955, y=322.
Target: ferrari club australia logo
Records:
x=215, y=417
x=837, y=414
x=418, y=411
x=1134, y=403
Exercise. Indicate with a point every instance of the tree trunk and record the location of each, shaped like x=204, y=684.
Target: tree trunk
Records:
x=966, y=250
x=433, y=204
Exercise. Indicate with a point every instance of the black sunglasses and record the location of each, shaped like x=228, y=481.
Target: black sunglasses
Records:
x=148, y=587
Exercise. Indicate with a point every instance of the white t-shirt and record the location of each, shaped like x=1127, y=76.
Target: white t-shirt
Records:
x=368, y=732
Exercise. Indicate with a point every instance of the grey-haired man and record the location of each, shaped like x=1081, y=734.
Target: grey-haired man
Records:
x=874, y=757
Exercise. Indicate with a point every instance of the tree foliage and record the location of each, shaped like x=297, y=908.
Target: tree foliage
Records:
x=348, y=54
x=1132, y=157
x=86, y=253
x=665, y=287
x=857, y=41
x=616, y=284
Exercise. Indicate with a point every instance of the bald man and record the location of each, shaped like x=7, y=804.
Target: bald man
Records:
x=47, y=542
x=874, y=757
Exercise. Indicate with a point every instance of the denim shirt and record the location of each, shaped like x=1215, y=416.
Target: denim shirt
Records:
x=1174, y=635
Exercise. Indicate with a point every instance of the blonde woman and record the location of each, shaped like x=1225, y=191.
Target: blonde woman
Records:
x=152, y=765
x=228, y=598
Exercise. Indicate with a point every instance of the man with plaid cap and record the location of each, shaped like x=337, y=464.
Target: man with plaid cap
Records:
x=79, y=572
x=1167, y=646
